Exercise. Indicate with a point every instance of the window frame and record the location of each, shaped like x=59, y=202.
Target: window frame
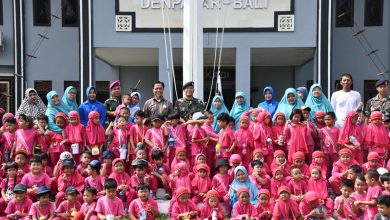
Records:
x=351, y=14
x=366, y=20
x=77, y=14
x=35, y=5
x=1, y=13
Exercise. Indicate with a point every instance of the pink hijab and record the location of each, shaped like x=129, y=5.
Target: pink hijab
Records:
x=350, y=129
x=183, y=179
x=243, y=135
x=319, y=186
x=95, y=132
x=202, y=183
x=287, y=207
x=121, y=178
x=75, y=132
x=207, y=210
x=306, y=204
x=377, y=135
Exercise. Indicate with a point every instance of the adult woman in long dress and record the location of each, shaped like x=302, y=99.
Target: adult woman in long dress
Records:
x=69, y=99
x=317, y=101
x=54, y=106
x=289, y=102
x=239, y=107
x=32, y=105
x=92, y=105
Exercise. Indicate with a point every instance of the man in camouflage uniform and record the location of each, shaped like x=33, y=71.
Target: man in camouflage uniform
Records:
x=380, y=102
x=188, y=104
x=112, y=103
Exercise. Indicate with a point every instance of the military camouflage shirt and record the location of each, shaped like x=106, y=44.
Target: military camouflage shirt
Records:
x=110, y=105
x=187, y=107
x=376, y=104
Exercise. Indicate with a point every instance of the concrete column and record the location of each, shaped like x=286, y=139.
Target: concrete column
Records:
x=243, y=71
x=193, y=45
x=163, y=74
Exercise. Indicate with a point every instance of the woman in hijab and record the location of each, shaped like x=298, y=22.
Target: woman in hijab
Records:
x=302, y=93
x=239, y=107
x=217, y=107
x=32, y=105
x=317, y=101
x=69, y=99
x=241, y=180
x=289, y=102
x=269, y=104
x=54, y=107
x=135, y=100
x=91, y=105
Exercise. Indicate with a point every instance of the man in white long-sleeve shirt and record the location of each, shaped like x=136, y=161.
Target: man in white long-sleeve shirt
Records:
x=345, y=100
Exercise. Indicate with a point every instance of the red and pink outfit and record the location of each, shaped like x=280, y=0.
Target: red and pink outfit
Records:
x=75, y=136
x=198, y=133
x=329, y=140
x=351, y=134
x=206, y=211
x=201, y=184
x=262, y=136
x=377, y=137
x=25, y=139
x=157, y=138
x=137, y=206
x=39, y=211
x=244, y=138
x=23, y=207
x=96, y=135
x=221, y=185
x=347, y=211
x=75, y=180
x=320, y=187
x=210, y=150
x=225, y=139
x=296, y=135
x=106, y=206
x=120, y=140
x=179, y=134
x=278, y=137
x=243, y=209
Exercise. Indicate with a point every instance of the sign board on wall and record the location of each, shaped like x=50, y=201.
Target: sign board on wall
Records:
x=234, y=15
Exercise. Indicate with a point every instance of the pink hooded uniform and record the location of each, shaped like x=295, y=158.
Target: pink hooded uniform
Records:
x=156, y=137
x=75, y=180
x=179, y=207
x=262, y=136
x=288, y=209
x=243, y=209
x=320, y=187
x=305, y=206
x=121, y=137
x=76, y=134
x=296, y=135
x=275, y=184
x=206, y=211
x=320, y=166
x=329, y=139
x=351, y=133
x=265, y=210
x=123, y=179
x=201, y=184
x=95, y=133
x=372, y=156
x=244, y=139
x=339, y=168
x=199, y=147
x=226, y=139
x=373, y=192
x=278, y=136
x=377, y=136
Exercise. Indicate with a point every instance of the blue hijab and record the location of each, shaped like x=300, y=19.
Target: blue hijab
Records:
x=318, y=104
x=253, y=190
x=237, y=110
x=304, y=92
x=269, y=105
x=52, y=110
x=285, y=106
x=135, y=108
x=216, y=112
x=91, y=105
x=69, y=105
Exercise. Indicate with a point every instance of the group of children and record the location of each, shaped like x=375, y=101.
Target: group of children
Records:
x=283, y=169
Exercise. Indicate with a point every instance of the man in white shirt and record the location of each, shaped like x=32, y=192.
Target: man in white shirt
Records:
x=345, y=100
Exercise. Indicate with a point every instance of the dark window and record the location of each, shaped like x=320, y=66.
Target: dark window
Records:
x=43, y=87
x=369, y=89
x=373, y=13
x=75, y=84
x=103, y=92
x=344, y=13
x=70, y=13
x=42, y=12
x=1, y=12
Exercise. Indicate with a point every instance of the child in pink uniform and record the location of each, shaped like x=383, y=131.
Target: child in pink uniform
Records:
x=345, y=204
x=35, y=178
x=7, y=185
x=108, y=156
x=385, y=180
x=351, y=136
x=180, y=158
x=297, y=184
x=296, y=134
x=94, y=179
x=56, y=144
x=211, y=206
x=377, y=136
x=20, y=205
x=310, y=206
x=87, y=210
x=26, y=136
x=177, y=134
x=120, y=136
x=141, y=176
x=235, y=161
x=75, y=135
x=340, y=169
x=373, y=192
x=373, y=162
x=265, y=207
x=23, y=167
x=155, y=137
x=43, y=208
x=244, y=139
x=319, y=185
x=70, y=177
x=278, y=180
x=285, y=206
x=226, y=141
x=143, y=207
x=299, y=161
x=96, y=137
x=243, y=207
x=200, y=139
x=69, y=207
x=360, y=193
x=221, y=182
x=318, y=161
x=7, y=138
x=213, y=136
x=280, y=161
x=329, y=140
x=262, y=135
x=161, y=172
x=137, y=134
x=257, y=155
x=279, y=140
x=184, y=207
x=258, y=176
x=43, y=141
x=201, y=184
x=124, y=190
x=110, y=204
x=85, y=159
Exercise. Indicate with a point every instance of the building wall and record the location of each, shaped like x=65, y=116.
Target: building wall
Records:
x=303, y=73
x=58, y=57
x=7, y=55
x=349, y=56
